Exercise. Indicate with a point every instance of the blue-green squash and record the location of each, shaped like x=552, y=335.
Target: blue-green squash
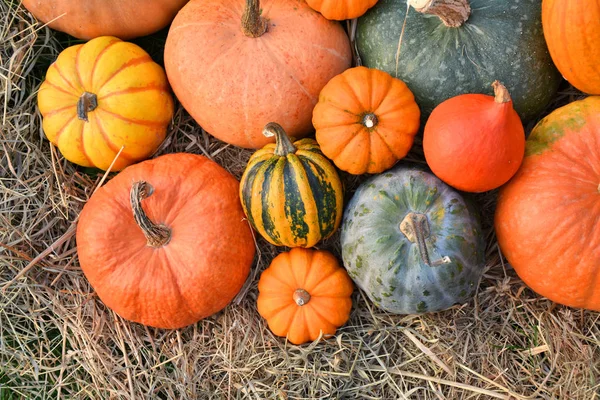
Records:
x=290, y=192
x=500, y=40
x=411, y=242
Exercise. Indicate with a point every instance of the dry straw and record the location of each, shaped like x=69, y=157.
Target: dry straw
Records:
x=57, y=340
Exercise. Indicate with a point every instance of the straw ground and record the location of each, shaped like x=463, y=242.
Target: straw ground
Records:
x=57, y=339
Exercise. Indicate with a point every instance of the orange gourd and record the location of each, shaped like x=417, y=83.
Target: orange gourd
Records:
x=548, y=216
x=237, y=68
x=475, y=142
x=365, y=120
x=102, y=96
x=572, y=32
x=341, y=9
x=165, y=243
x=304, y=293
x=88, y=19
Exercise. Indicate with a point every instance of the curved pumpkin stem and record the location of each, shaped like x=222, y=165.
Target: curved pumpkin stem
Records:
x=301, y=297
x=453, y=13
x=87, y=103
x=283, y=144
x=157, y=235
x=253, y=25
x=415, y=227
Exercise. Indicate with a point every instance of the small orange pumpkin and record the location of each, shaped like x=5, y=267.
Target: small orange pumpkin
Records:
x=341, y=9
x=365, y=120
x=304, y=293
x=103, y=95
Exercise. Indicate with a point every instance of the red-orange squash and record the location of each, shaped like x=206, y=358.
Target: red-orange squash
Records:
x=572, y=32
x=165, y=243
x=88, y=19
x=236, y=68
x=365, y=120
x=341, y=9
x=475, y=142
x=548, y=216
x=304, y=293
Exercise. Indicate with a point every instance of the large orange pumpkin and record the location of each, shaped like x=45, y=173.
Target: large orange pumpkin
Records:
x=304, y=293
x=165, y=242
x=365, y=120
x=237, y=68
x=104, y=95
x=341, y=9
x=572, y=32
x=87, y=19
x=548, y=215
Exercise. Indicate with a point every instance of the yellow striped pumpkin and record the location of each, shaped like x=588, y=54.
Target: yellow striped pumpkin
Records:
x=290, y=192
x=102, y=96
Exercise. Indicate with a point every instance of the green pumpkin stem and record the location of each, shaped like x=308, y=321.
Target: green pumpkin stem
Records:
x=87, y=103
x=156, y=235
x=453, y=13
x=415, y=227
x=283, y=144
x=253, y=25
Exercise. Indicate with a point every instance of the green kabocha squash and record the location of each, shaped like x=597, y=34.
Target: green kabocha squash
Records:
x=290, y=192
x=411, y=242
x=452, y=47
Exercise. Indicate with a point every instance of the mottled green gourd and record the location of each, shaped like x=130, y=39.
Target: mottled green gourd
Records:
x=498, y=40
x=412, y=243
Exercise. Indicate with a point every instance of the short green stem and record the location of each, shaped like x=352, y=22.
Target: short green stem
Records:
x=283, y=144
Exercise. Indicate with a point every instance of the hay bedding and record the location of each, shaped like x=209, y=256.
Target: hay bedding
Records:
x=57, y=340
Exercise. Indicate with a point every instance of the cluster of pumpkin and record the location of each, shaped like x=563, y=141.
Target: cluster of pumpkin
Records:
x=167, y=241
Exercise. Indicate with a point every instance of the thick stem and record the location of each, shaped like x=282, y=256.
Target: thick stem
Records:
x=157, y=235
x=283, y=144
x=253, y=25
x=453, y=13
x=87, y=103
x=301, y=297
x=501, y=93
x=415, y=227
x=370, y=120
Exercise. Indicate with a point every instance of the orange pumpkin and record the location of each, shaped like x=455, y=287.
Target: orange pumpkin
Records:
x=103, y=95
x=365, y=120
x=572, y=32
x=475, y=142
x=237, y=68
x=88, y=19
x=165, y=243
x=304, y=293
x=341, y=9
x=548, y=216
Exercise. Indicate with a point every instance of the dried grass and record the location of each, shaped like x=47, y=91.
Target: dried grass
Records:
x=57, y=340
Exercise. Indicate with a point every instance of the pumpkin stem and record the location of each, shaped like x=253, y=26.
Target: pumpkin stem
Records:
x=253, y=25
x=301, y=297
x=501, y=93
x=283, y=144
x=415, y=227
x=370, y=120
x=157, y=235
x=453, y=13
x=87, y=103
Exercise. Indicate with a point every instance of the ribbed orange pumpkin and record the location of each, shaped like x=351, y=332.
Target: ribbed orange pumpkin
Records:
x=475, y=142
x=548, y=216
x=341, y=9
x=365, y=120
x=88, y=19
x=304, y=293
x=236, y=69
x=165, y=243
x=103, y=95
x=572, y=32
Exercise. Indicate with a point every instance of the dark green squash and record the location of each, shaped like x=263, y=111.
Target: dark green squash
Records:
x=411, y=242
x=501, y=40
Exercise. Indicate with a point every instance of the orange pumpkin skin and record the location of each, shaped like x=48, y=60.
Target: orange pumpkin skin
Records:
x=341, y=9
x=201, y=267
x=475, y=142
x=233, y=85
x=572, y=32
x=365, y=120
x=126, y=97
x=548, y=216
x=125, y=19
x=304, y=293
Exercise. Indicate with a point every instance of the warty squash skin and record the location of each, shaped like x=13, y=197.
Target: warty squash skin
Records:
x=548, y=215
